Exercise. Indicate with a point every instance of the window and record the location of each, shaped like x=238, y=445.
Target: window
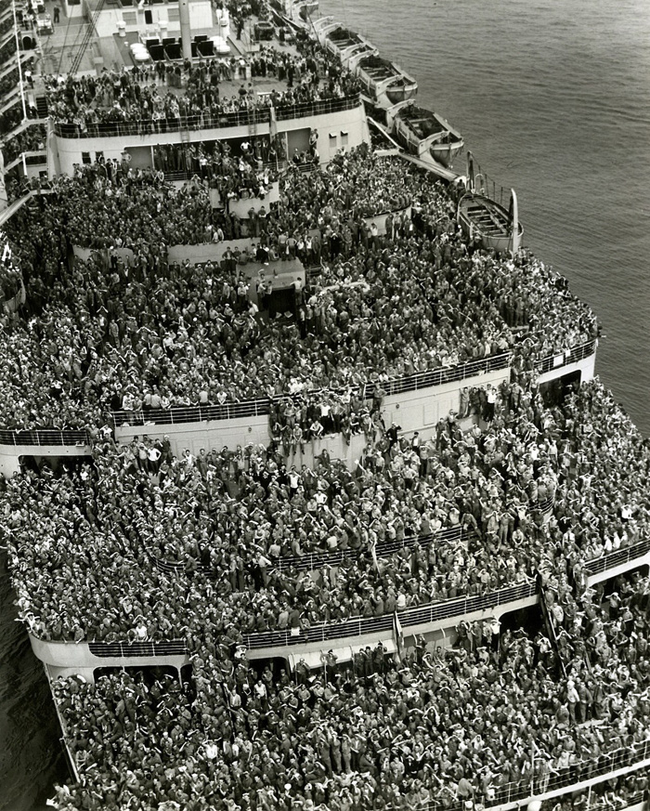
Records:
x=333, y=140
x=148, y=17
x=173, y=14
x=344, y=138
x=99, y=156
x=85, y=157
x=130, y=17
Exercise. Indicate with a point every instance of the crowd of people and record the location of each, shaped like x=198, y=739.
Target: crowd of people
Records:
x=101, y=332
x=8, y=82
x=135, y=544
x=31, y=139
x=430, y=727
x=247, y=174
x=194, y=93
x=247, y=522
x=611, y=795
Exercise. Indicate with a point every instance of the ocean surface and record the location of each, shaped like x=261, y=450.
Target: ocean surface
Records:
x=553, y=99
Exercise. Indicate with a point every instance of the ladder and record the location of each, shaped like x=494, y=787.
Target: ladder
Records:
x=88, y=34
x=42, y=106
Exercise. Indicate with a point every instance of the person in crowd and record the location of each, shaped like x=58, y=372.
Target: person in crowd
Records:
x=80, y=343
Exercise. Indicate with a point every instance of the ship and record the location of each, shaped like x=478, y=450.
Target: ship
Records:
x=135, y=695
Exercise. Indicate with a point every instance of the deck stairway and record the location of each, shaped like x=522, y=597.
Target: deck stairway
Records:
x=42, y=106
x=24, y=124
x=17, y=205
x=12, y=98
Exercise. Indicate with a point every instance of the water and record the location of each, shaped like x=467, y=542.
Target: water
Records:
x=31, y=758
x=554, y=100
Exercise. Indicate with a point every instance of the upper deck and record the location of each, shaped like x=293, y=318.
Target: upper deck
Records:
x=115, y=81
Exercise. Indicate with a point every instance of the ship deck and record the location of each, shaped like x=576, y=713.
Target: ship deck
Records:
x=61, y=48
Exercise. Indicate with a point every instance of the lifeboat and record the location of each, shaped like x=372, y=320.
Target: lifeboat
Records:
x=424, y=134
x=497, y=227
x=304, y=9
x=341, y=41
x=385, y=83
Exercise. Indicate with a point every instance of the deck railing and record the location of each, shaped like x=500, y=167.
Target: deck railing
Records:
x=44, y=437
x=285, y=112
x=383, y=549
x=357, y=626
x=572, y=355
x=254, y=408
x=184, y=414
x=606, y=764
x=151, y=126
x=397, y=385
x=240, y=118
x=446, y=609
x=617, y=558
x=330, y=631
x=118, y=650
x=317, y=560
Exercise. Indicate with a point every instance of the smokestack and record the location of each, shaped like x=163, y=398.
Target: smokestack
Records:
x=186, y=33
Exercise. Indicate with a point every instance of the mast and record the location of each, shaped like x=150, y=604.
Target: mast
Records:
x=514, y=222
x=186, y=33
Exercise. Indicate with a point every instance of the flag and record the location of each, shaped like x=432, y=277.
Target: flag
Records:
x=398, y=633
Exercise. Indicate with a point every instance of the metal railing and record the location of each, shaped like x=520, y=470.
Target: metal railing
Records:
x=120, y=650
x=446, y=609
x=606, y=764
x=249, y=408
x=316, y=560
x=285, y=112
x=621, y=556
x=357, y=626
x=204, y=121
x=438, y=377
x=151, y=126
x=168, y=567
x=322, y=632
x=184, y=414
x=572, y=355
x=396, y=385
x=42, y=437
